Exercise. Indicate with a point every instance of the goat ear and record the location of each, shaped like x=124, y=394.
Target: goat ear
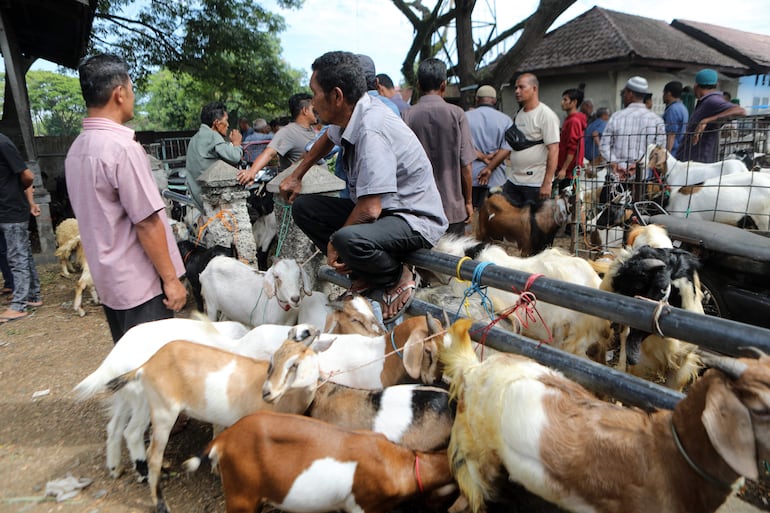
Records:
x=269, y=283
x=728, y=425
x=306, y=286
x=320, y=345
x=413, y=356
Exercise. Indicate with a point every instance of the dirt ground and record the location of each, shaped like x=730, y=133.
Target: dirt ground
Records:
x=46, y=438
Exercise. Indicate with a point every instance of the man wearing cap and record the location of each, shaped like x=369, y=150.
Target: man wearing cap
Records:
x=702, y=138
x=488, y=126
x=444, y=133
x=630, y=130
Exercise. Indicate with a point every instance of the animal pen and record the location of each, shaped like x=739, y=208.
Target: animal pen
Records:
x=724, y=193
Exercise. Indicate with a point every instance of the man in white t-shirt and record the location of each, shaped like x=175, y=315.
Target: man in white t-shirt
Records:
x=532, y=168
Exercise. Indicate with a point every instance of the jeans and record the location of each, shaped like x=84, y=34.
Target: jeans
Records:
x=372, y=251
x=25, y=279
x=4, y=267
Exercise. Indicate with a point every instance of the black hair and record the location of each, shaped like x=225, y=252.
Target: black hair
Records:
x=99, y=76
x=674, y=88
x=430, y=74
x=212, y=111
x=385, y=81
x=342, y=70
x=574, y=94
x=297, y=102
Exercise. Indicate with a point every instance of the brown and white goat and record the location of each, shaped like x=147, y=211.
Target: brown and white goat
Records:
x=406, y=354
x=208, y=384
x=68, y=244
x=303, y=465
x=560, y=442
x=533, y=230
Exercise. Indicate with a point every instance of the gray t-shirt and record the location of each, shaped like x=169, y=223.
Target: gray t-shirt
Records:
x=290, y=142
x=384, y=157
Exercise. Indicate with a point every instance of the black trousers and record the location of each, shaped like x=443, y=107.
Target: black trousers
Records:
x=372, y=251
x=120, y=321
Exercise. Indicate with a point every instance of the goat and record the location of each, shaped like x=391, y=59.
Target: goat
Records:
x=350, y=314
x=679, y=174
x=195, y=259
x=361, y=361
x=532, y=229
x=229, y=286
x=560, y=442
x=264, y=229
x=739, y=199
x=206, y=383
x=322, y=467
x=68, y=242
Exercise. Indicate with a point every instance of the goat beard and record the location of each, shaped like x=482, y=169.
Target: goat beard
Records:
x=634, y=345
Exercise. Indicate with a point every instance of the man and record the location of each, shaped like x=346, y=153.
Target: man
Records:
x=394, y=206
x=593, y=135
x=630, y=130
x=571, y=147
x=387, y=89
x=261, y=131
x=289, y=142
x=210, y=145
x=372, y=87
x=444, y=133
x=244, y=128
x=123, y=225
x=675, y=115
x=488, y=126
x=15, y=207
x=587, y=108
x=702, y=139
x=532, y=168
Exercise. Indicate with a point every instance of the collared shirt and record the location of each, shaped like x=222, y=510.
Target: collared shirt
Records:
x=443, y=131
x=205, y=148
x=676, y=117
x=591, y=149
x=706, y=149
x=384, y=157
x=488, y=126
x=628, y=133
x=111, y=189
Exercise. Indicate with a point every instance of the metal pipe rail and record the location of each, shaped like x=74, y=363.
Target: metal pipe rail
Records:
x=721, y=335
x=598, y=378
x=179, y=198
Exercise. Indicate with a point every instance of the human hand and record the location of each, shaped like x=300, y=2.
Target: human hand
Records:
x=245, y=176
x=236, y=137
x=484, y=175
x=469, y=213
x=545, y=191
x=176, y=295
x=699, y=132
x=562, y=174
x=289, y=189
x=34, y=209
x=333, y=259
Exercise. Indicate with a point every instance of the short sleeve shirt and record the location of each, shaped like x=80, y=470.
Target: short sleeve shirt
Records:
x=488, y=127
x=111, y=188
x=290, y=141
x=706, y=149
x=676, y=117
x=14, y=207
x=528, y=165
x=384, y=157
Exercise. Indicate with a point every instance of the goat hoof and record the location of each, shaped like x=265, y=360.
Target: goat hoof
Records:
x=82, y=313
x=116, y=472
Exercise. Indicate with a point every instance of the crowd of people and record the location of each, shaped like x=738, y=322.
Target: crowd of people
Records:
x=412, y=172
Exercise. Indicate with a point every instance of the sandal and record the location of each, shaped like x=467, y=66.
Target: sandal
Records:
x=389, y=297
x=12, y=315
x=357, y=288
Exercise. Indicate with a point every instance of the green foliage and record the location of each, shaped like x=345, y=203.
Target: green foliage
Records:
x=169, y=101
x=229, y=49
x=55, y=102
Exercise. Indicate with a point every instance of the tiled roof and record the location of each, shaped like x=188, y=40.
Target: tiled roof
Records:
x=603, y=36
x=749, y=48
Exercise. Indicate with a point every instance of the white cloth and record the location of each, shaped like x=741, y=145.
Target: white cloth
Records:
x=528, y=165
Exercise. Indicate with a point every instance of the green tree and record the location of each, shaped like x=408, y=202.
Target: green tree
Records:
x=169, y=101
x=230, y=47
x=56, y=104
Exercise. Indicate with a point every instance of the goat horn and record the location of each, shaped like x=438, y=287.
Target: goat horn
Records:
x=753, y=350
x=431, y=328
x=336, y=305
x=446, y=318
x=653, y=263
x=730, y=366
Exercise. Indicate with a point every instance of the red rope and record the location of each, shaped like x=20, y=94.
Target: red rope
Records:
x=417, y=473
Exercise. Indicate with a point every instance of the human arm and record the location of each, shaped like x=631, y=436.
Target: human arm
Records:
x=34, y=208
x=498, y=158
x=291, y=185
x=246, y=176
x=367, y=210
x=467, y=189
x=670, y=138
x=734, y=111
x=152, y=236
x=550, y=170
x=26, y=177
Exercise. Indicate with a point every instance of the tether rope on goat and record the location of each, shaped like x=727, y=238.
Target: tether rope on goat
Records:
x=285, y=222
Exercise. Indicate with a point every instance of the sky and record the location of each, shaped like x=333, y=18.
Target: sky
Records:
x=377, y=28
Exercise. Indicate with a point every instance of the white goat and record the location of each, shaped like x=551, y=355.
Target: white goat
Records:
x=560, y=442
x=304, y=465
x=679, y=174
x=249, y=296
x=208, y=384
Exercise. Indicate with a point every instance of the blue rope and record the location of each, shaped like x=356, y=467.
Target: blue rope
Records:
x=476, y=288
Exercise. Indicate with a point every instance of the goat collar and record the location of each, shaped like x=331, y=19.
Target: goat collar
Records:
x=417, y=473
x=393, y=344
x=702, y=473
x=283, y=304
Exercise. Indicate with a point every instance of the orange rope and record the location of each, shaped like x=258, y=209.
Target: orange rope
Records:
x=231, y=227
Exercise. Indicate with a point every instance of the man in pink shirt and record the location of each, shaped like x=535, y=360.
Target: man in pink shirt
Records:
x=123, y=225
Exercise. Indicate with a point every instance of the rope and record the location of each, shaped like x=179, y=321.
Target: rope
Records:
x=475, y=287
x=231, y=227
x=417, y=473
x=285, y=222
x=702, y=473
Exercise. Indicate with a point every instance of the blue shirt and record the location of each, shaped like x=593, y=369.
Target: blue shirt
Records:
x=592, y=150
x=676, y=117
